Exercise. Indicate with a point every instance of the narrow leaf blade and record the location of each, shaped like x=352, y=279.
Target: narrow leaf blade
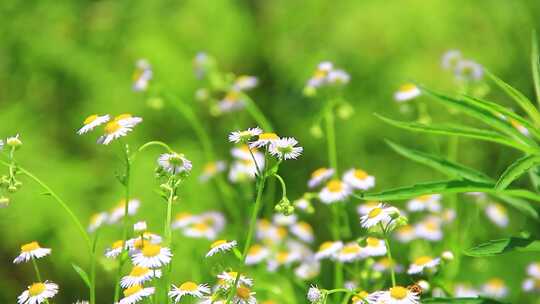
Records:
x=516, y=169
x=82, y=274
x=535, y=64
x=502, y=246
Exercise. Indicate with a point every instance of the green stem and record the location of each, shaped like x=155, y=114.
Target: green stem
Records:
x=36, y=269
x=283, y=186
x=93, y=269
x=389, y=255
x=257, y=114
x=331, y=140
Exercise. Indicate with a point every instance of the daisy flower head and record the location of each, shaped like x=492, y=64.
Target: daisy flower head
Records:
x=244, y=152
x=135, y=294
x=265, y=139
x=115, y=250
x=531, y=285
x=335, y=191
x=188, y=289
x=14, y=141
x=374, y=247
x=232, y=101
x=214, y=219
x=450, y=59
x=92, y=121
x=118, y=212
x=152, y=256
x=97, y=220
x=495, y=288
x=229, y=277
x=360, y=297
x=468, y=70
x=533, y=270
x=328, y=249
x=319, y=176
x=202, y=62
x=120, y=126
x=138, y=276
x=140, y=226
x=31, y=251
x=200, y=230
x=338, y=76
x=285, y=257
x=244, y=136
x=395, y=295
x=285, y=148
x=245, y=82
x=407, y=92
x=349, y=253
x=423, y=263
x=211, y=169
x=284, y=220
x=428, y=202
x=429, y=229
x=308, y=270
x=359, y=179
x=174, y=163
x=220, y=246
x=256, y=254
x=244, y=295
x=315, y=295
x=38, y=293
x=304, y=204
x=303, y=231
x=465, y=290
x=183, y=219
x=366, y=207
x=497, y=214
x=142, y=75
x=380, y=214
x=384, y=264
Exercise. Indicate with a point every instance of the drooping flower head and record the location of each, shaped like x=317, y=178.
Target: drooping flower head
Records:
x=92, y=121
x=120, y=126
x=407, y=92
x=174, y=163
x=142, y=75
x=220, y=246
x=31, y=251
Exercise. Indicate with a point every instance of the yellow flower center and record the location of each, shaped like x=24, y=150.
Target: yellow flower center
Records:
x=210, y=168
x=122, y=116
x=496, y=283
x=138, y=271
x=398, y=292
x=188, y=286
x=282, y=232
x=36, y=289
x=151, y=250
x=282, y=256
x=431, y=226
x=374, y=212
x=30, y=247
x=183, y=215
x=201, y=227
x=90, y=119
x=117, y=244
x=423, y=198
x=218, y=243
x=319, y=172
x=255, y=249
x=334, y=186
x=112, y=127
x=232, y=96
x=360, y=296
x=372, y=242
x=268, y=136
x=325, y=246
x=319, y=74
x=405, y=229
x=423, y=260
x=132, y=290
x=407, y=87
x=305, y=227
x=140, y=244
x=353, y=248
x=243, y=292
x=360, y=174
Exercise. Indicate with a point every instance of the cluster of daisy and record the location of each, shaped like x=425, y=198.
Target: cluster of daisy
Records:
x=532, y=282
x=326, y=75
x=118, y=127
x=40, y=291
x=142, y=75
x=465, y=70
x=494, y=288
x=9, y=183
x=206, y=225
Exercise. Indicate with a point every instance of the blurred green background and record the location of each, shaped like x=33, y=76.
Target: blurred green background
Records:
x=63, y=60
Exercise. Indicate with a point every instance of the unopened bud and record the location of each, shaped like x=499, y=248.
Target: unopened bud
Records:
x=447, y=256
x=14, y=142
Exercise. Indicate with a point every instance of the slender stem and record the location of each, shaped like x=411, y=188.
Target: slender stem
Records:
x=155, y=143
x=93, y=269
x=283, y=186
x=257, y=114
x=36, y=269
x=331, y=140
x=167, y=226
x=255, y=161
x=389, y=255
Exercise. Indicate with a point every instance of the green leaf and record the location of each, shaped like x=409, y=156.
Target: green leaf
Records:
x=535, y=65
x=441, y=164
x=520, y=205
x=480, y=134
x=82, y=274
x=516, y=169
x=502, y=246
x=479, y=300
x=518, y=97
x=442, y=187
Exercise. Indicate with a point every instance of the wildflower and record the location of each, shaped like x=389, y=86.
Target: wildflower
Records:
x=284, y=148
x=395, y=295
x=138, y=276
x=497, y=214
x=450, y=59
x=379, y=214
x=231, y=101
x=120, y=126
x=315, y=295
x=174, y=163
x=214, y=219
x=533, y=270
x=495, y=288
x=142, y=75
x=429, y=229
x=97, y=220
x=308, y=270
x=407, y=92
x=429, y=202
x=359, y=179
x=284, y=220
x=230, y=278
x=531, y=285
x=468, y=70
x=366, y=207
x=422, y=263
x=200, y=230
x=464, y=290
x=38, y=293
x=115, y=249
x=145, y=238
x=284, y=257
x=152, y=256
x=447, y=255
x=334, y=191
x=405, y=234
x=319, y=78
x=244, y=295
x=211, y=169
x=14, y=141
x=374, y=247
x=244, y=136
x=136, y=293
x=256, y=254
x=448, y=215
x=220, y=245
x=182, y=220
x=118, y=212
x=303, y=204
x=424, y=285
x=139, y=226
x=201, y=63
x=265, y=139
x=360, y=297
x=349, y=253
x=338, y=77
x=303, y=231
x=245, y=82
x=31, y=251
x=328, y=249
x=188, y=289
x=92, y=122
x=384, y=264
x=319, y=176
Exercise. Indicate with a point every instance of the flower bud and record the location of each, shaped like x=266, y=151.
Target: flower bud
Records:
x=345, y=111
x=447, y=255
x=12, y=189
x=424, y=285
x=14, y=142
x=316, y=131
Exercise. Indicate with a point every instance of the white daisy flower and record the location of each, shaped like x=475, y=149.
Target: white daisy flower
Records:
x=303, y=204
x=200, y=230
x=211, y=169
x=366, y=207
x=244, y=295
x=97, y=220
x=142, y=75
x=468, y=70
x=338, y=77
x=31, y=251
x=118, y=212
x=92, y=121
x=405, y=234
x=120, y=126
x=450, y=59
x=232, y=101
x=14, y=141
x=314, y=294
x=395, y=295
x=335, y=191
x=384, y=264
x=137, y=243
x=359, y=179
x=497, y=214
x=256, y=254
x=183, y=219
x=308, y=270
x=245, y=82
x=349, y=253
x=220, y=246
x=429, y=229
x=135, y=294
x=448, y=215
x=379, y=214
x=284, y=220
x=244, y=170
x=374, y=247
x=319, y=176
x=422, y=263
x=464, y=290
x=230, y=277
x=265, y=139
x=303, y=231
x=284, y=148
x=495, y=288
x=328, y=249
x=174, y=163
x=284, y=257
x=114, y=250
x=138, y=276
x=428, y=202
x=38, y=293
x=407, y=92
x=139, y=226
x=531, y=285
x=243, y=152
x=152, y=256
x=244, y=136
x=214, y=219
x=533, y=270
x=188, y=289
